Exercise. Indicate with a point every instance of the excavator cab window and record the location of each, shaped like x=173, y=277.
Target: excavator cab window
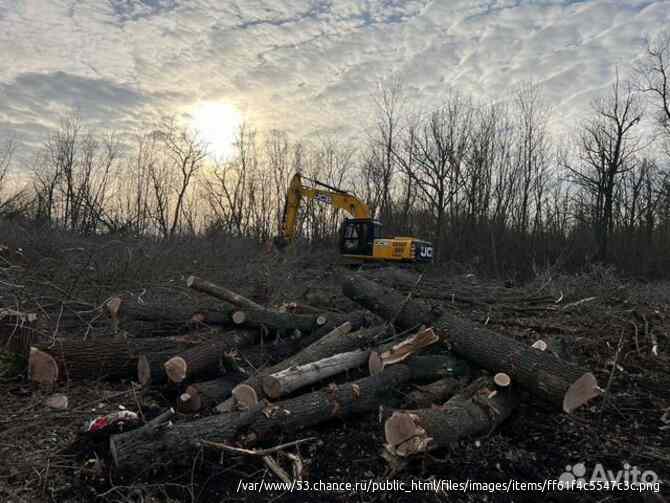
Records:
x=357, y=236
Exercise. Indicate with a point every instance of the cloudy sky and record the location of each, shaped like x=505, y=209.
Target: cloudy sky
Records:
x=300, y=65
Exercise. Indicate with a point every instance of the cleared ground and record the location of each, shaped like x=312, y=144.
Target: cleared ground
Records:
x=605, y=323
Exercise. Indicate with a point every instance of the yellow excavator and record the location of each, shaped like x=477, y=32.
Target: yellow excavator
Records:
x=360, y=236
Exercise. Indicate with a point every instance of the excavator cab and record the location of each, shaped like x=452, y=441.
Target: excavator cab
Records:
x=357, y=236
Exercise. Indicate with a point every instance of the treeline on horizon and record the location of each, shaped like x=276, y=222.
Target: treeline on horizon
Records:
x=487, y=184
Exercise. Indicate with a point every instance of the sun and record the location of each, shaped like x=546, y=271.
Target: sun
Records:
x=217, y=124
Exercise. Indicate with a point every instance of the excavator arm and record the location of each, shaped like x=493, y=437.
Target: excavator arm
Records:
x=327, y=195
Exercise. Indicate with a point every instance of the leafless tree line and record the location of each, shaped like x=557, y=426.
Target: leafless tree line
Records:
x=486, y=183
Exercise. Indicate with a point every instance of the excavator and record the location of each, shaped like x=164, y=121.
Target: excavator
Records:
x=360, y=236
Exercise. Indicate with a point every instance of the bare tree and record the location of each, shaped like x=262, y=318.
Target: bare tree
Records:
x=389, y=103
x=532, y=152
x=654, y=79
x=12, y=202
x=7, y=151
x=183, y=155
x=607, y=149
x=439, y=150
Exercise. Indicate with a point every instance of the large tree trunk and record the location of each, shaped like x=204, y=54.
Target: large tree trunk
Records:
x=109, y=357
x=544, y=375
x=135, y=451
x=478, y=410
x=337, y=341
x=167, y=318
x=388, y=303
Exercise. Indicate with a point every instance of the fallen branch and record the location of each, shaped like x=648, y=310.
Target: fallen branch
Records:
x=257, y=452
x=220, y=292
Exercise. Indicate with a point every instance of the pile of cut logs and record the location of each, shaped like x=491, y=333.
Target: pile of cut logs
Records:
x=466, y=379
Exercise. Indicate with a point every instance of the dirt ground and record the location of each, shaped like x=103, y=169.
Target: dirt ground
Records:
x=607, y=324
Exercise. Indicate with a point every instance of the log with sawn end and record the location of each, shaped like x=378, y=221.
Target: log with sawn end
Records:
x=288, y=380
x=206, y=358
x=108, y=357
x=274, y=320
x=167, y=318
x=479, y=409
x=338, y=340
x=565, y=385
x=202, y=395
x=132, y=451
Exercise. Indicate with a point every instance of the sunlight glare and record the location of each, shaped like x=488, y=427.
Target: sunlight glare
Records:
x=217, y=124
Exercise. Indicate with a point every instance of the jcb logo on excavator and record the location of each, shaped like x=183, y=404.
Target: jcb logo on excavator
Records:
x=426, y=252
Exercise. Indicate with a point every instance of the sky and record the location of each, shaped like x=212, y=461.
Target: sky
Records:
x=303, y=66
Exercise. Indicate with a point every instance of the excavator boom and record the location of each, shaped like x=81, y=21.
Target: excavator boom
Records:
x=335, y=197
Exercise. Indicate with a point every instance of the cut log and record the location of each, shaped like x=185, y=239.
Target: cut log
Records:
x=168, y=318
x=540, y=344
x=245, y=396
x=277, y=321
x=57, y=401
x=42, y=368
x=478, y=410
x=133, y=452
x=151, y=368
x=206, y=394
x=544, y=375
x=339, y=340
x=567, y=386
x=288, y=380
x=205, y=358
x=222, y=293
x=109, y=357
x=434, y=393
x=91, y=359
x=388, y=303
x=502, y=380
